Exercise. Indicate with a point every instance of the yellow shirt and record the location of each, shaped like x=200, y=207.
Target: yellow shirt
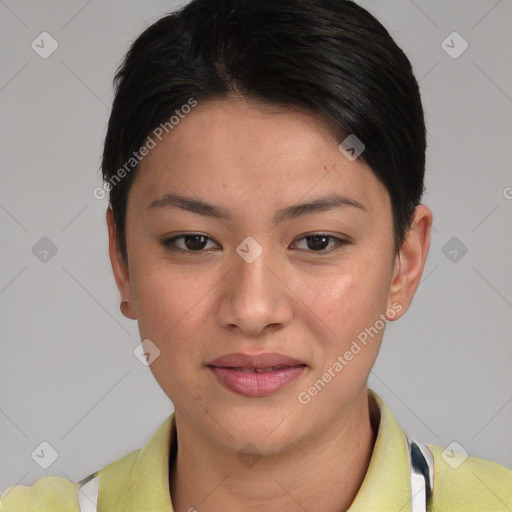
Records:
x=139, y=481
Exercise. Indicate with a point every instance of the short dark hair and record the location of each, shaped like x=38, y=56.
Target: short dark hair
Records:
x=329, y=57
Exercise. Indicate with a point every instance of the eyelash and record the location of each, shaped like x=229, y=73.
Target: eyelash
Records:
x=168, y=243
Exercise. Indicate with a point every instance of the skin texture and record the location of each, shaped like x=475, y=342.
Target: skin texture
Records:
x=307, y=304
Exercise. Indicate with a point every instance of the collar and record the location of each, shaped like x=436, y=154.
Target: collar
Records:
x=385, y=486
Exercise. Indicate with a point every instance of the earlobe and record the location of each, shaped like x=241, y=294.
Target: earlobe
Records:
x=410, y=261
x=119, y=268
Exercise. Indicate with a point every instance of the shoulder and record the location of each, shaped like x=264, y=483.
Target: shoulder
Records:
x=469, y=483
x=58, y=494
x=49, y=493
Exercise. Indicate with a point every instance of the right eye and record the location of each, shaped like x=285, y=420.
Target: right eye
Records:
x=186, y=243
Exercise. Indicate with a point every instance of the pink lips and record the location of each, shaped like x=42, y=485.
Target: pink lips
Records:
x=256, y=376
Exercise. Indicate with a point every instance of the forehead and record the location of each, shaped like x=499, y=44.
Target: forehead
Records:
x=252, y=156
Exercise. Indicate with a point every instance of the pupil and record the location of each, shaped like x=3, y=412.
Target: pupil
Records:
x=318, y=238
x=198, y=242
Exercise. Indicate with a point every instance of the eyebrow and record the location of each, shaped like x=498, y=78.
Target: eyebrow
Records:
x=290, y=212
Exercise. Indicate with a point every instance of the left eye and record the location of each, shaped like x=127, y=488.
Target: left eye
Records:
x=318, y=242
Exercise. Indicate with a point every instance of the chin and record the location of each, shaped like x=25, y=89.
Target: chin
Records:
x=269, y=435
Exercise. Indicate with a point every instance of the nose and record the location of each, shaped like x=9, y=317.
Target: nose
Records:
x=255, y=297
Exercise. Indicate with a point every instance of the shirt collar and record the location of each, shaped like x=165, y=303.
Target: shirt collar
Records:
x=386, y=484
x=148, y=488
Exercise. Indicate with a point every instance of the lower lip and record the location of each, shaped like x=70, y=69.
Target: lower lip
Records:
x=256, y=384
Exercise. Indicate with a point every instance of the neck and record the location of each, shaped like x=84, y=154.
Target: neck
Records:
x=323, y=473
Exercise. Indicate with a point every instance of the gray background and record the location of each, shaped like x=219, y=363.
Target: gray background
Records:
x=68, y=375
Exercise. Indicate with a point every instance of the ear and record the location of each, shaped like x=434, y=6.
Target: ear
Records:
x=410, y=261
x=120, y=268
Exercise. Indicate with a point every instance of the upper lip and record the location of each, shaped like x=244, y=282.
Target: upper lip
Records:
x=241, y=360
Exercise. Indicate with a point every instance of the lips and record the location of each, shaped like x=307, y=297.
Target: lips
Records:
x=254, y=384
x=255, y=363
x=256, y=376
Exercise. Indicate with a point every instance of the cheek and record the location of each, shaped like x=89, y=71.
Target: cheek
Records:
x=347, y=296
x=171, y=314
x=169, y=307
x=342, y=304
x=349, y=336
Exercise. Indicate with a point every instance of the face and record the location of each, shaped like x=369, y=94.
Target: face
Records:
x=256, y=274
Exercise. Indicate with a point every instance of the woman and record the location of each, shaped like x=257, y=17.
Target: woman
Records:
x=265, y=166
